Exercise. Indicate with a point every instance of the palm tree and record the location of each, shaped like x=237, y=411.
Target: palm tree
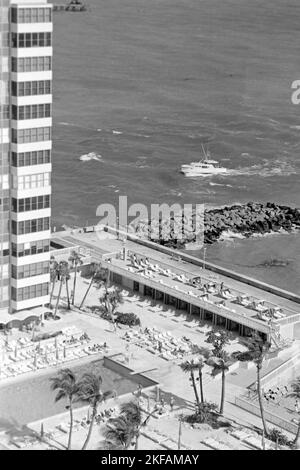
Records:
x=221, y=364
x=118, y=433
x=296, y=394
x=67, y=278
x=67, y=385
x=63, y=274
x=53, y=277
x=125, y=430
x=111, y=299
x=219, y=339
x=257, y=351
x=90, y=391
x=98, y=274
x=201, y=364
x=133, y=413
x=190, y=367
x=76, y=261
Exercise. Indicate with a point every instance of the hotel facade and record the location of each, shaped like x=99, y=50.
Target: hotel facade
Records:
x=25, y=152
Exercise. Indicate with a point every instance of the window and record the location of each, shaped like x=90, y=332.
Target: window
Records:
x=4, y=111
x=30, y=226
x=30, y=270
x=30, y=203
x=31, y=111
x=31, y=158
x=30, y=292
x=42, y=87
x=24, y=136
x=31, y=15
x=31, y=39
x=31, y=64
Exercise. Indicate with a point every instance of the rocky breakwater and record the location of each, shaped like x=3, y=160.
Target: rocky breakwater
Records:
x=246, y=219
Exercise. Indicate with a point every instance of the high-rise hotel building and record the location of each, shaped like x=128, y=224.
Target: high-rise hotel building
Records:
x=25, y=152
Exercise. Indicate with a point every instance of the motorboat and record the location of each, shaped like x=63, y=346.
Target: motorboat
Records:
x=204, y=167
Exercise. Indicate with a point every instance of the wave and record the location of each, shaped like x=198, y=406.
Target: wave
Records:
x=220, y=184
x=91, y=156
x=230, y=235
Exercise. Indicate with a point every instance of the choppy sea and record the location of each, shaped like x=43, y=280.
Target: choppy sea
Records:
x=144, y=84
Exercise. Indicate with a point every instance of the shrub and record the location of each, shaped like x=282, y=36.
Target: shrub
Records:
x=43, y=336
x=128, y=319
x=277, y=436
x=206, y=414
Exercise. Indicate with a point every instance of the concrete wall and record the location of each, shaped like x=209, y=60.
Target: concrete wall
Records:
x=113, y=364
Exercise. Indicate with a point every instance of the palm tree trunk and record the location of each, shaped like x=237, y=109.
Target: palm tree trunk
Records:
x=195, y=388
x=297, y=438
x=87, y=291
x=58, y=297
x=201, y=385
x=262, y=413
x=74, y=285
x=68, y=296
x=88, y=437
x=222, y=393
x=137, y=441
x=51, y=295
x=71, y=426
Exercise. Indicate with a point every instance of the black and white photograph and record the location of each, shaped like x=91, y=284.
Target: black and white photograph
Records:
x=149, y=228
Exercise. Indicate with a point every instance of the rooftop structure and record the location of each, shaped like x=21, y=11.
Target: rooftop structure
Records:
x=227, y=299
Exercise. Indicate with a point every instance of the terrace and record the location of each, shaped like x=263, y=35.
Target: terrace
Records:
x=228, y=301
x=203, y=295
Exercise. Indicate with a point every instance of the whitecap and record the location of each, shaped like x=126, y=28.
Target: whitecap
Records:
x=90, y=156
x=117, y=132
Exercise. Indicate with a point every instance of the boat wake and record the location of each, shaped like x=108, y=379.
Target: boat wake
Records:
x=265, y=170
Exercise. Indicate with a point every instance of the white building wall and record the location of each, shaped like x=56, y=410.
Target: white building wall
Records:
x=18, y=285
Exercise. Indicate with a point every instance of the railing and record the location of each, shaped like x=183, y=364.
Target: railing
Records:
x=271, y=417
x=213, y=308
x=65, y=253
x=275, y=373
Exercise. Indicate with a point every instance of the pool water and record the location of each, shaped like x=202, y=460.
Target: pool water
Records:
x=32, y=399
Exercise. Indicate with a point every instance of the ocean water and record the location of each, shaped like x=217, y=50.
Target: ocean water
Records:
x=144, y=84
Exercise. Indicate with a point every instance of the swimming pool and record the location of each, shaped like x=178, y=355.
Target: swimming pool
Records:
x=32, y=399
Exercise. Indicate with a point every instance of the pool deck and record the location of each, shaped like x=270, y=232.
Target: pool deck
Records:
x=173, y=380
